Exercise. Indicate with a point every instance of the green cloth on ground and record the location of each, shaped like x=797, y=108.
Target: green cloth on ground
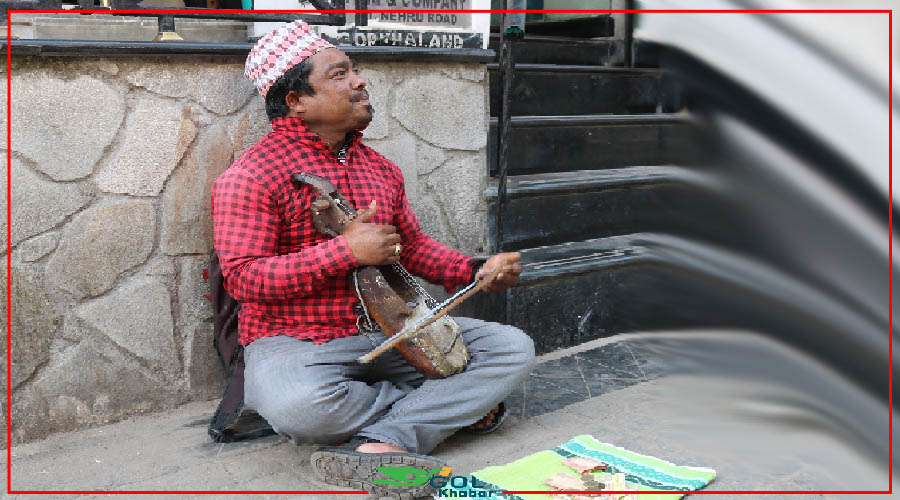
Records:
x=528, y=474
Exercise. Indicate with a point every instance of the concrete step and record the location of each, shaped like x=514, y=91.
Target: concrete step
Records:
x=579, y=291
x=557, y=89
x=538, y=49
x=644, y=54
x=564, y=295
x=550, y=209
x=543, y=144
x=601, y=25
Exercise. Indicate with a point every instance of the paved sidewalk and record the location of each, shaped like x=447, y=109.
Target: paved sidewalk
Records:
x=171, y=451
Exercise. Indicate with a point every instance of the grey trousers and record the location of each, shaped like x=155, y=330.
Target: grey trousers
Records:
x=317, y=394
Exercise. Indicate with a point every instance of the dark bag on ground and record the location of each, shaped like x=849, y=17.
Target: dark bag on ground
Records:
x=231, y=422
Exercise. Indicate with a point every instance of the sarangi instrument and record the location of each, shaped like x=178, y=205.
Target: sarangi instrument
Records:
x=390, y=295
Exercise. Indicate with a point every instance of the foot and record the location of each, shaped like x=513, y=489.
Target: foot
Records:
x=486, y=421
x=490, y=422
x=379, y=448
x=369, y=466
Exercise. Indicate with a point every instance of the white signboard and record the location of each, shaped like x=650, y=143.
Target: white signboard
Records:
x=374, y=37
x=411, y=13
x=403, y=23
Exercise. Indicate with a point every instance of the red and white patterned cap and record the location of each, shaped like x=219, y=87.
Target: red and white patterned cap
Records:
x=277, y=52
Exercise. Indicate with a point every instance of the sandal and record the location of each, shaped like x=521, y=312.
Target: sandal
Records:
x=496, y=422
x=398, y=475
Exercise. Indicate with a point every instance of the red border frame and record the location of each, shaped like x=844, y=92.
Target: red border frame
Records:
x=9, y=489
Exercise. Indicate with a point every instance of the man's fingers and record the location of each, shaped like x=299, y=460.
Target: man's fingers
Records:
x=512, y=257
x=366, y=215
x=391, y=239
x=507, y=269
x=507, y=275
x=512, y=269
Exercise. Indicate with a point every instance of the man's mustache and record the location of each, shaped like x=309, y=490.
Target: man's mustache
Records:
x=359, y=96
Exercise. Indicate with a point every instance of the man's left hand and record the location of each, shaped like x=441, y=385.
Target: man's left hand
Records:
x=507, y=277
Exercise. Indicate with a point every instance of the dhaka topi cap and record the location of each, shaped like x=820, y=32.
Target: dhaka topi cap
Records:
x=277, y=52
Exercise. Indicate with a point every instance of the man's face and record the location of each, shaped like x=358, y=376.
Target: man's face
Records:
x=340, y=101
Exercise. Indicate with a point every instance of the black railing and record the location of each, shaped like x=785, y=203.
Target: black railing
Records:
x=513, y=28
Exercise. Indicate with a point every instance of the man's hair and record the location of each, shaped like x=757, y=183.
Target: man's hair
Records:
x=296, y=78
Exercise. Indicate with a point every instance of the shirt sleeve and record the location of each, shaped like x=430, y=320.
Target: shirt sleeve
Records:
x=245, y=235
x=423, y=255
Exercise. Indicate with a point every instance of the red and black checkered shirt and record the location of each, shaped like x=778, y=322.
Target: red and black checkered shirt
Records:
x=289, y=278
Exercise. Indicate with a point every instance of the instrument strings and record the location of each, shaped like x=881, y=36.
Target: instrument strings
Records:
x=407, y=277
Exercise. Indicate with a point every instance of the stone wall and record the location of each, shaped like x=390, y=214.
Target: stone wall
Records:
x=112, y=161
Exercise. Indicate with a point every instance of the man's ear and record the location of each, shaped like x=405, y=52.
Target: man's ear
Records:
x=295, y=102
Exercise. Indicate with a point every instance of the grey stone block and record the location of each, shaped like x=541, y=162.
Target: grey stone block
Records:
x=3, y=144
x=137, y=317
x=250, y=126
x=446, y=113
x=56, y=122
x=432, y=219
x=470, y=72
x=34, y=322
x=186, y=221
x=220, y=88
x=157, y=134
x=3, y=316
x=459, y=185
x=4, y=184
x=194, y=305
x=36, y=248
x=400, y=148
x=205, y=376
x=99, y=244
x=428, y=157
x=90, y=383
x=39, y=204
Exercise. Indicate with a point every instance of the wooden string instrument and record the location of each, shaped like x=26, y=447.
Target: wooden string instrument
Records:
x=391, y=295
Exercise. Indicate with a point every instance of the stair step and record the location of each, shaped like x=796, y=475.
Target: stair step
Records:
x=580, y=181
x=644, y=54
x=572, y=293
x=564, y=293
x=552, y=89
x=536, y=49
x=541, y=144
x=578, y=68
x=570, y=259
x=584, y=27
x=550, y=209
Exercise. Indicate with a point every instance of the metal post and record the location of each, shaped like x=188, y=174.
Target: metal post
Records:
x=167, y=30
x=363, y=18
x=514, y=29
x=629, y=34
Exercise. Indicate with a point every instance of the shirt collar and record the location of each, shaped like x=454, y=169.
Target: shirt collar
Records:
x=295, y=128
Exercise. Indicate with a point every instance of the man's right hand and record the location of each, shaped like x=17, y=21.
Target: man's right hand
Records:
x=371, y=244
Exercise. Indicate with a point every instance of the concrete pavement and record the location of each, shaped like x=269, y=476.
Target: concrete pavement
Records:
x=698, y=420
